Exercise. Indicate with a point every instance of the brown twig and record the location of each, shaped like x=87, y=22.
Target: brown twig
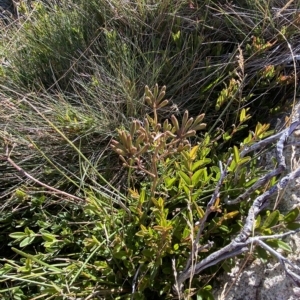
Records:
x=7, y=158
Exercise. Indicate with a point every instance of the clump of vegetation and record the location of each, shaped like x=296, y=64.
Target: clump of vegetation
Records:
x=113, y=191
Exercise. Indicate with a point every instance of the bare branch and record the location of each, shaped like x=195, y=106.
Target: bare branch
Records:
x=283, y=135
x=243, y=240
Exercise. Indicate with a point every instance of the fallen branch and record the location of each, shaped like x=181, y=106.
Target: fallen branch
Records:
x=283, y=135
x=243, y=240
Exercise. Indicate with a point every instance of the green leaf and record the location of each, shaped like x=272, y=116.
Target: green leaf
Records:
x=251, y=182
x=18, y=235
x=123, y=255
x=176, y=36
x=266, y=134
x=271, y=220
x=205, y=295
x=24, y=269
x=241, y=127
x=236, y=154
x=148, y=253
x=170, y=181
x=206, y=178
x=27, y=241
x=247, y=139
x=291, y=215
x=275, y=243
x=226, y=136
x=185, y=177
x=242, y=115
x=20, y=194
x=262, y=254
x=29, y=232
x=49, y=244
x=187, y=190
x=272, y=243
x=196, y=176
x=224, y=228
x=216, y=170
x=227, y=267
x=257, y=222
x=196, y=194
x=186, y=232
x=142, y=196
x=200, y=163
x=141, y=233
x=266, y=231
x=167, y=270
x=284, y=246
x=232, y=166
x=293, y=226
x=193, y=152
x=48, y=237
x=34, y=258
x=244, y=160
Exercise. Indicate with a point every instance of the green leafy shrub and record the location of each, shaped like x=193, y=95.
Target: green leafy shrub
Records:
x=75, y=73
x=134, y=245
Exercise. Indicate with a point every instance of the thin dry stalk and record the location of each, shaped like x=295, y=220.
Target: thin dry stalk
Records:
x=284, y=8
x=7, y=158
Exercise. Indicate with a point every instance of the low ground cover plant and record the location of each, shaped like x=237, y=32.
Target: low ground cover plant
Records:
x=129, y=133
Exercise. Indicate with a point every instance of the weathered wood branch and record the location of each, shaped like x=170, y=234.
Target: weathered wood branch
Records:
x=244, y=239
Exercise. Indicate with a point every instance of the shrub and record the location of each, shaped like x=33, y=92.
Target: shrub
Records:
x=107, y=183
